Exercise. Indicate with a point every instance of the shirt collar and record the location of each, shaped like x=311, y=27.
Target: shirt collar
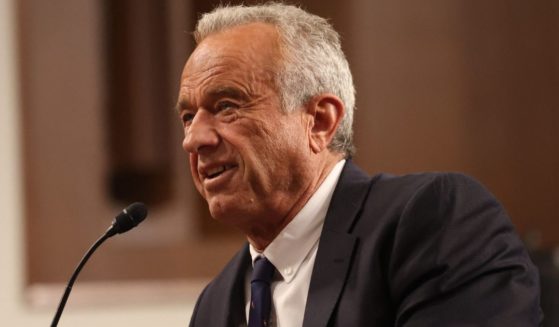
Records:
x=294, y=243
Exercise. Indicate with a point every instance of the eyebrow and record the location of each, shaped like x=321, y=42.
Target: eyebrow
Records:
x=214, y=93
x=182, y=104
x=227, y=92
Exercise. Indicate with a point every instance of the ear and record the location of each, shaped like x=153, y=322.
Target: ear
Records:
x=326, y=112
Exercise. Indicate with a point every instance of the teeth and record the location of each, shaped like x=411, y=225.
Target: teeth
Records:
x=215, y=171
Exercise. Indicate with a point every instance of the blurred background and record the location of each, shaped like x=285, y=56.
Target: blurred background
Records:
x=87, y=126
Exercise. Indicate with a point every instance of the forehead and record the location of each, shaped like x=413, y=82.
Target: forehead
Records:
x=247, y=49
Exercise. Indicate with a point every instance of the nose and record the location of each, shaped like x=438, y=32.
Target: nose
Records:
x=201, y=135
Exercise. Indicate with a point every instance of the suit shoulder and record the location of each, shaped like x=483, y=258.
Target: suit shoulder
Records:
x=423, y=178
x=412, y=184
x=395, y=195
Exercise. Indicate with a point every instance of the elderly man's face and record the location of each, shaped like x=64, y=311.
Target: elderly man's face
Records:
x=247, y=156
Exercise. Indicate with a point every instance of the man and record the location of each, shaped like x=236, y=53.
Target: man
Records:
x=266, y=100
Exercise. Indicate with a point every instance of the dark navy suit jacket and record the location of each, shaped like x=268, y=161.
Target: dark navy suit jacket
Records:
x=416, y=250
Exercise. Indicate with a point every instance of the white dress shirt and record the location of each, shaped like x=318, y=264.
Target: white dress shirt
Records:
x=293, y=253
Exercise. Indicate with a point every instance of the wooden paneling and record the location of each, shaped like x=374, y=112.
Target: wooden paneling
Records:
x=466, y=86
x=99, y=86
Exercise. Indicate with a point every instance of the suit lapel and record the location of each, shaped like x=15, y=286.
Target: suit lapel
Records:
x=229, y=310
x=237, y=315
x=336, y=246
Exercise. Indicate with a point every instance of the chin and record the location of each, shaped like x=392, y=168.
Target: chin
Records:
x=227, y=212
x=219, y=209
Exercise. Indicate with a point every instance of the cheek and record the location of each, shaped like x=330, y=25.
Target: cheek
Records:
x=290, y=142
x=280, y=152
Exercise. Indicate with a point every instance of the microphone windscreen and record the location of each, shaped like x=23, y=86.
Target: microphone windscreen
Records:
x=138, y=211
x=129, y=217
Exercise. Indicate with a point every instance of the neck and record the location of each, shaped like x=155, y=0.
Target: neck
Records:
x=261, y=236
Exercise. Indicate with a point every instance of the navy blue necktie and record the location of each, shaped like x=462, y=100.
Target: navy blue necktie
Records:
x=260, y=294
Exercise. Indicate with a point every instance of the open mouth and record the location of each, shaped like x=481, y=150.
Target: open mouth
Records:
x=217, y=171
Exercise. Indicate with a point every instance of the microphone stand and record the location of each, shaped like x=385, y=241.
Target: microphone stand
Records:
x=75, y=275
x=123, y=222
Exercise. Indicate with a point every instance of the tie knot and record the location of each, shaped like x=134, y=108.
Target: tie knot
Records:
x=263, y=270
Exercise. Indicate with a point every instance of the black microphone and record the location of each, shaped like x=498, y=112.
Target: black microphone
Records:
x=128, y=218
x=123, y=222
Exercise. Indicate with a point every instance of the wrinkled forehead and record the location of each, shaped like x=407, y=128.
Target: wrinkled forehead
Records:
x=252, y=46
x=244, y=59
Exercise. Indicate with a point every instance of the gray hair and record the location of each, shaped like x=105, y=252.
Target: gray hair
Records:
x=313, y=62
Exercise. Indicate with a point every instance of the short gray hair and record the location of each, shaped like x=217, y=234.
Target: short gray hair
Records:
x=314, y=62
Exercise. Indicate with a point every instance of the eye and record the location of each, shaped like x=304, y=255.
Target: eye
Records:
x=225, y=105
x=187, y=118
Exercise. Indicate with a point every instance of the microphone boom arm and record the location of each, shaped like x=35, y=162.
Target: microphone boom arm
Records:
x=74, y=276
